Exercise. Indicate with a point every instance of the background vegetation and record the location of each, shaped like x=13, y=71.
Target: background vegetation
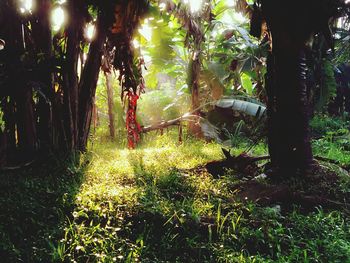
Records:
x=177, y=197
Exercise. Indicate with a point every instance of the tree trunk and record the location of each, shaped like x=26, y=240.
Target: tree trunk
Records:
x=26, y=131
x=289, y=139
x=10, y=128
x=109, y=87
x=95, y=117
x=288, y=104
x=88, y=82
x=41, y=32
x=74, y=32
x=194, y=72
x=3, y=140
x=19, y=109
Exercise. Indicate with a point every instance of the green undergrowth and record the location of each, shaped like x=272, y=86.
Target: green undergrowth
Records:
x=155, y=204
x=35, y=202
x=332, y=138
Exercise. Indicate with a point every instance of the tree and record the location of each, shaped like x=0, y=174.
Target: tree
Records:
x=291, y=25
x=46, y=103
x=109, y=89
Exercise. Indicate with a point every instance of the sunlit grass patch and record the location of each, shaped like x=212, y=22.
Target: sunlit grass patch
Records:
x=158, y=203
x=150, y=179
x=121, y=172
x=159, y=200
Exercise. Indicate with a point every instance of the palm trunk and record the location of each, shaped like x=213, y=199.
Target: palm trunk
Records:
x=10, y=128
x=110, y=104
x=41, y=32
x=288, y=103
x=88, y=82
x=71, y=68
x=194, y=72
x=95, y=118
x=26, y=130
x=289, y=111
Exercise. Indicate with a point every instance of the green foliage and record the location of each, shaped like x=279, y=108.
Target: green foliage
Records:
x=2, y=121
x=231, y=46
x=101, y=101
x=163, y=49
x=333, y=142
x=35, y=201
x=328, y=87
x=247, y=84
x=321, y=124
x=157, y=203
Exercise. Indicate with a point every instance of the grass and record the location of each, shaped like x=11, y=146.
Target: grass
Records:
x=34, y=204
x=156, y=204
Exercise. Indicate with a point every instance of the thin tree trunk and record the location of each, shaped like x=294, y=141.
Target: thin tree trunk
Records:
x=194, y=70
x=95, y=119
x=22, y=114
x=109, y=87
x=10, y=128
x=41, y=32
x=3, y=141
x=71, y=78
x=88, y=82
x=26, y=123
x=67, y=115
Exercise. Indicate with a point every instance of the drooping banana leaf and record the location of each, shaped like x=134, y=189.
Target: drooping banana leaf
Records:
x=220, y=122
x=250, y=108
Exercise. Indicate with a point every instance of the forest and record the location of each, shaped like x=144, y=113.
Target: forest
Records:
x=175, y=131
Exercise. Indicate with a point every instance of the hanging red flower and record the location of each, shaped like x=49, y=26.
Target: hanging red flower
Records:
x=132, y=126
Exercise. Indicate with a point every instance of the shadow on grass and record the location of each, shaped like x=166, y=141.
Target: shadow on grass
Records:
x=169, y=221
x=177, y=222
x=34, y=203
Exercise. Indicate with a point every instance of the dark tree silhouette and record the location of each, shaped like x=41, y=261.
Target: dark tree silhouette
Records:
x=291, y=25
x=46, y=105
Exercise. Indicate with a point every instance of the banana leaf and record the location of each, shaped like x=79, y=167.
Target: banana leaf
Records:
x=251, y=108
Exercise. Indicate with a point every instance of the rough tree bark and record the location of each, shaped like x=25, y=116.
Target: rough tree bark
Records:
x=42, y=36
x=17, y=86
x=88, y=82
x=194, y=71
x=109, y=88
x=288, y=113
x=26, y=130
x=74, y=36
x=292, y=24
